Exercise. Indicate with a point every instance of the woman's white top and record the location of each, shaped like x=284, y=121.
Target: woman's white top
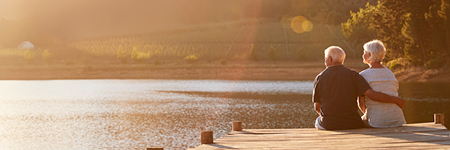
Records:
x=378, y=114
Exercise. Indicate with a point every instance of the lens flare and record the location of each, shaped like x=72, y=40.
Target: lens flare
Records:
x=307, y=26
x=300, y=24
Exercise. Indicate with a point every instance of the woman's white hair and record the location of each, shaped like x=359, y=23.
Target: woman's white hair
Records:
x=376, y=49
x=336, y=53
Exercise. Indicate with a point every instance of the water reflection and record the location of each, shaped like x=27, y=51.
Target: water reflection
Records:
x=127, y=114
x=424, y=99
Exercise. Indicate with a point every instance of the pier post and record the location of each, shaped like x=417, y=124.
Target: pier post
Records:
x=206, y=137
x=439, y=118
x=155, y=148
x=237, y=126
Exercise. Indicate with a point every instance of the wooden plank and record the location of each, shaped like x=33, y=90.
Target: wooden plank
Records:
x=410, y=136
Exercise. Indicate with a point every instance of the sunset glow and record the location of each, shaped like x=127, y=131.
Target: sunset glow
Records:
x=138, y=74
x=300, y=24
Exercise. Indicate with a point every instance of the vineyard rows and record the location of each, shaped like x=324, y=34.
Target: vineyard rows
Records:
x=220, y=42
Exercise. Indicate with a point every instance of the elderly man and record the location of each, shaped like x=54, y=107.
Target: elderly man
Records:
x=335, y=94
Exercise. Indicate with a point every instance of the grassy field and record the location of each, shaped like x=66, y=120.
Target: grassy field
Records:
x=221, y=51
x=231, y=41
x=169, y=69
x=18, y=68
x=210, y=42
x=231, y=50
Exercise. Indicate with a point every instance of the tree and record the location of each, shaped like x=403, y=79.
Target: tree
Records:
x=46, y=56
x=359, y=28
x=253, y=55
x=29, y=56
x=438, y=17
x=139, y=56
x=416, y=30
x=272, y=54
x=135, y=55
x=191, y=59
x=412, y=29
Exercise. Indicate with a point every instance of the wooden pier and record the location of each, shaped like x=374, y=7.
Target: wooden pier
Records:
x=410, y=136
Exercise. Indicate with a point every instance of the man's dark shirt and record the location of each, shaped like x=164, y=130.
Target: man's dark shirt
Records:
x=337, y=89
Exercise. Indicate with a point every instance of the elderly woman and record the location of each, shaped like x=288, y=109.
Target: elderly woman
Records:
x=381, y=79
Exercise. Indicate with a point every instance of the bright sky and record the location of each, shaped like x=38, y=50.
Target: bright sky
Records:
x=75, y=16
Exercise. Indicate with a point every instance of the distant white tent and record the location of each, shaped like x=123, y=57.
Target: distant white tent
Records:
x=26, y=45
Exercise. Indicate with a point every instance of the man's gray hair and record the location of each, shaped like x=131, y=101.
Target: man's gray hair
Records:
x=376, y=49
x=336, y=53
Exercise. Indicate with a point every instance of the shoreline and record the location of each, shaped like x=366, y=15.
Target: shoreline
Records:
x=229, y=73
x=234, y=70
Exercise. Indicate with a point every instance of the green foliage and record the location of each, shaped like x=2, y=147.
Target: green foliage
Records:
x=330, y=12
x=191, y=59
x=394, y=65
x=398, y=63
x=438, y=18
x=253, y=56
x=435, y=63
x=47, y=56
x=121, y=54
x=7, y=52
x=136, y=55
x=411, y=49
x=29, y=56
x=411, y=29
x=358, y=29
x=139, y=56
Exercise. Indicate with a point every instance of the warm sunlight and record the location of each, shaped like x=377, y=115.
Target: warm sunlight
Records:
x=300, y=24
x=138, y=74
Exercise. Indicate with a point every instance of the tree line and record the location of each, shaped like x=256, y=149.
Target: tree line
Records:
x=417, y=31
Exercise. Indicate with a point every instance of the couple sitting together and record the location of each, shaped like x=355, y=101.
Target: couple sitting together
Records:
x=338, y=91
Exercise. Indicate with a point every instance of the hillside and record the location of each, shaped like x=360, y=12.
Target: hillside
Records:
x=231, y=41
x=221, y=51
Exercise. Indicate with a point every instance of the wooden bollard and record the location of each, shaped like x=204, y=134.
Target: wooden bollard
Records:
x=237, y=126
x=206, y=137
x=155, y=148
x=439, y=118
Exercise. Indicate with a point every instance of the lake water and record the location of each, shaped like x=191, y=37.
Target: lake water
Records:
x=135, y=114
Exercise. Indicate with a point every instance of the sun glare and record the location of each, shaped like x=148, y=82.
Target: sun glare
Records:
x=300, y=24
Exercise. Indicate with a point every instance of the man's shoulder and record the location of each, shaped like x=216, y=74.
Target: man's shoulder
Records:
x=342, y=70
x=348, y=71
x=320, y=74
x=336, y=69
x=351, y=70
